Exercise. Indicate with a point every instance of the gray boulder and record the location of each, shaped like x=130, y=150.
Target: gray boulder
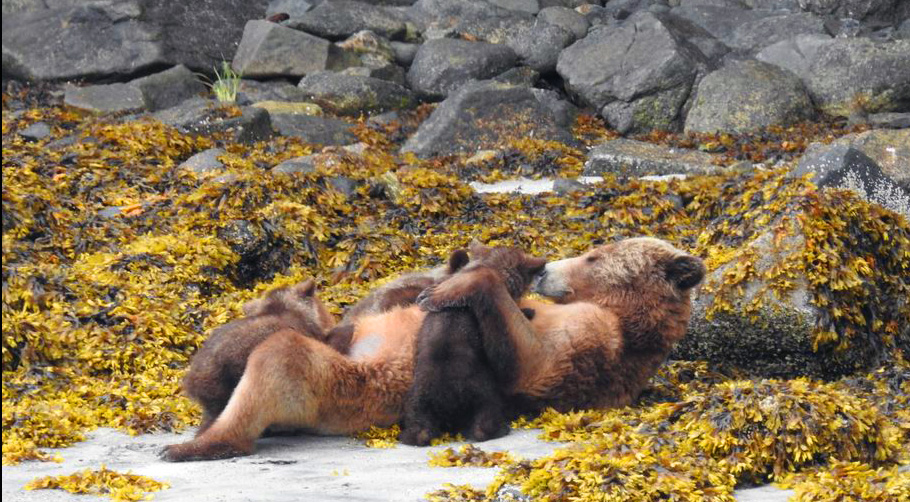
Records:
x=856, y=74
x=204, y=117
x=796, y=54
x=772, y=340
x=270, y=90
x=270, y=50
x=748, y=96
x=36, y=131
x=528, y=6
x=843, y=166
x=565, y=18
x=168, y=88
x=888, y=148
x=293, y=8
x=628, y=157
x=317, y=130
x=110, y=98
x=119, y=39
x=758, y=34
x=304, y=164
x=479, y=19
x=483, y=115
x=642, y=59
x=339, y=19
x=886, y=10
x=89, y=41
x=353, y=95
x=204, y=161
x=443, y=65
x=721, y=22
x=538, y=45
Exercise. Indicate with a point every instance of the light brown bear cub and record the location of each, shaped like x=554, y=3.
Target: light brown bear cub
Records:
x=218, y=365
x=462, y=366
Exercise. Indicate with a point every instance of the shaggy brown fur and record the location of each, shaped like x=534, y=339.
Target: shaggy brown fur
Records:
x=621, y=307
x=461, y=365
x=401, y=292
x=218, y=365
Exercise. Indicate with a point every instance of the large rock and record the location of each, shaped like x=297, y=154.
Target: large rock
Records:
x=720, y=21
x=271, y=50
x=110, y=98
x=89, y=41
x=119, y=39
x=168, y=88
x=339, y=19
x=538, y=45
x=443, y=65
x=353, y=95
x=837, y=165
x=885, y=10
x=856, y=74
x=477, y=19
x=760, y=333
x=483, y=115
x=795, y=54
x=890, y=149
x=628, y=157
x=758, y=34
x=201, y=116
x=748, y=96
x=565, y=18
x=639, y=60
x=316, y=130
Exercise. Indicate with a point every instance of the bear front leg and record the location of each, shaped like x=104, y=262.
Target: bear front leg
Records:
x=461, y=290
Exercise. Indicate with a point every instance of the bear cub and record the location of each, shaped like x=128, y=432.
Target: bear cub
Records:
x=218, y=365
x=462, y=367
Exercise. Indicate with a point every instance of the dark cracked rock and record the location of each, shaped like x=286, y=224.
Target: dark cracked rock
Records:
x=339, y=19
x=353, y=95
x=443, y=65
x=117, y=40
x=317, y=130
x=758, y=34
x=795, y=54
x=168, y=88
x=642, y=68
x=748, y=96
x=109, y=98
x=270, y=50
x=483, y=115
x=840, y=166
x=855, y=74
x=538, y=45
x=201, y=116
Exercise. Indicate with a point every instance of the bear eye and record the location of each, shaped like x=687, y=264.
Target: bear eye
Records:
x=592, y=258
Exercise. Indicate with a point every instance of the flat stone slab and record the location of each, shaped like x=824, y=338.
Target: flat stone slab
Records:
x=318, y=130
x=110, y=98
x=637, y=158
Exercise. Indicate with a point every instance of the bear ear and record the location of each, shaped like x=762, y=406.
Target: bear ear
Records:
x=533, y=265
x=305, y=289
x=459, y=258
x=686, y=271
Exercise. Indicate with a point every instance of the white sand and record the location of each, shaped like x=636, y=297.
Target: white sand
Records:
x=304, y=468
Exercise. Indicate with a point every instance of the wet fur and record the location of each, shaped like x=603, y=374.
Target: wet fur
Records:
x=462, y=365
x=620, y=309
x=218, y=365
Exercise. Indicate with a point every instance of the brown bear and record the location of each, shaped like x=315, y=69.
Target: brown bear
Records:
x=620, y=308
x=461, y=368
x=400, y=292
x=218, y=365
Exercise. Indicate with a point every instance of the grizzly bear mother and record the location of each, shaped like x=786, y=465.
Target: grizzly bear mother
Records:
x=619, y=309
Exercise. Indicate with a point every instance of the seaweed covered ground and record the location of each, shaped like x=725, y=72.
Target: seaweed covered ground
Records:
x=117, y=262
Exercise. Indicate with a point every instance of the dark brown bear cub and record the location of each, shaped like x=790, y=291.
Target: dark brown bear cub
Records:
x=462, y=367
x=218, y=365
